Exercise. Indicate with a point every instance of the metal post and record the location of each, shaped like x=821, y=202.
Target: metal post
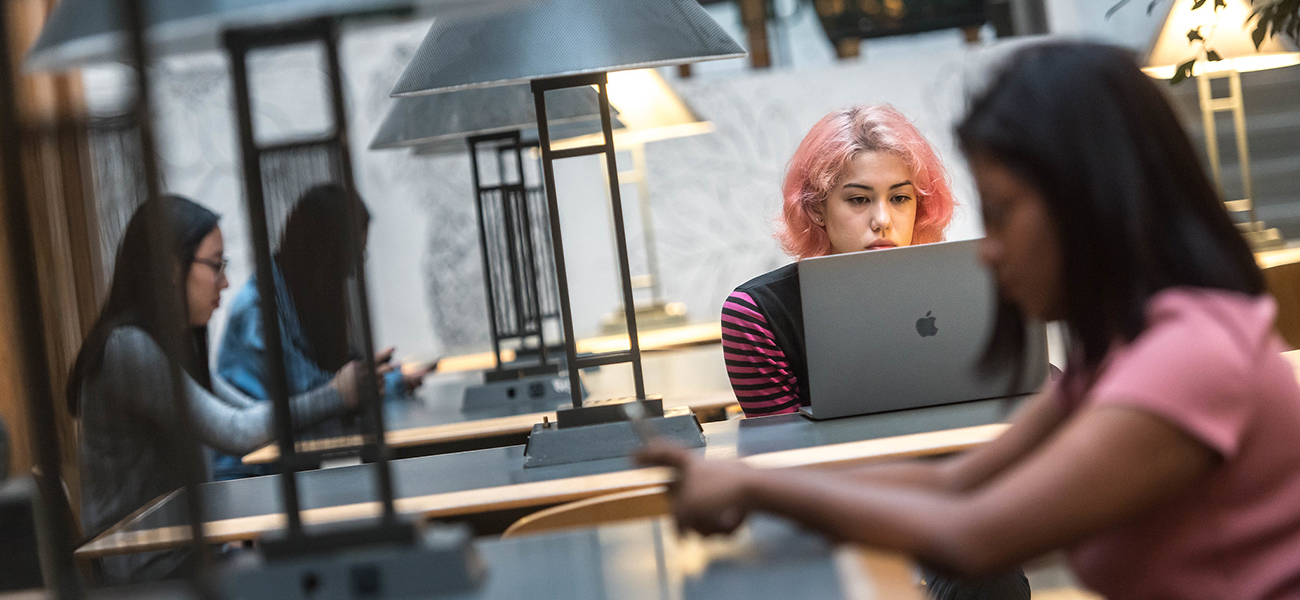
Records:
x=620, y=236
x=1206, y=98
x=530, y=251
x=1243, y=150
x=175, y=319
x=276, y=381
x=483, y=249
x=647, y=221
x=369, y=395
x=557, y=243
x=633, y=354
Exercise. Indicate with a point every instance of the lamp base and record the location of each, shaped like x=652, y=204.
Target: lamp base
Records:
x=532, y=392
x=602, y=430
x=655, y=315
x=439, y=560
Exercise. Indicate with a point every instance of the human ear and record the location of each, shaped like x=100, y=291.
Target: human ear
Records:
x=818, y=210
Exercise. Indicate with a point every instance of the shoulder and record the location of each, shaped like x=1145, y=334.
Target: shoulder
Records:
x=775, y=279
x=779, y=287
x=1226, y=330
x=130, y=349
x=1204, y=361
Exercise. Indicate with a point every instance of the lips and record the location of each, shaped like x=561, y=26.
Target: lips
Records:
x=881, y=244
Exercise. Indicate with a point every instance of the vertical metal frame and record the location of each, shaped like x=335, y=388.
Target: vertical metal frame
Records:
x=238, y=44
x=1231, y=103
x=520, y=266
x=549, y=156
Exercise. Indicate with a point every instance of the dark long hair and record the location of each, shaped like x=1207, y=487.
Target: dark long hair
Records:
x=132, y=298
x=315, y=258
x=1133, y=208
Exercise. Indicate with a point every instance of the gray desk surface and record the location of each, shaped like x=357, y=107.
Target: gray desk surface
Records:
x=481, y=469
x=677, y=375
x=694, y=376
x=646, y=560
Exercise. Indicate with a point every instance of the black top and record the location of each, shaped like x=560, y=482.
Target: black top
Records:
x=763, y=343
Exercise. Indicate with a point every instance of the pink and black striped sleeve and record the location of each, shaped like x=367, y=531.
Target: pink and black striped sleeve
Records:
x=759, y=370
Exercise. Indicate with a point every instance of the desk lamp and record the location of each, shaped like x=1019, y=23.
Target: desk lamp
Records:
x=555, y=45
x=652, y=111
x=379, y=556
x=1215, y=35
x=513, y=244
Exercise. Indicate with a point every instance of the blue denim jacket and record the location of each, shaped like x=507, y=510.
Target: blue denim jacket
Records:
x=241, y=360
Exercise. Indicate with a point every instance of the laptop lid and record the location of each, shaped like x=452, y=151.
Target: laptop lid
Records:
x=905, y=328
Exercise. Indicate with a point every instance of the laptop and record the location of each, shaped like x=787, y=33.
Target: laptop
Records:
x=905, y=328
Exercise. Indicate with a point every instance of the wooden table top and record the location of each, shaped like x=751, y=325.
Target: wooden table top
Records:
x=654, y=340
x=494, y=479
x=691, y=376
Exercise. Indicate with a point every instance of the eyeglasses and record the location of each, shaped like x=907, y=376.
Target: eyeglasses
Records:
x=217, y=266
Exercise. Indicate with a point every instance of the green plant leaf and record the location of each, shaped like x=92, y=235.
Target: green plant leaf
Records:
x=1194, y=35
x=1212, y=56
x=1183, y=72
x=1220, y=4
x=1257, y=35
x=1198, y=4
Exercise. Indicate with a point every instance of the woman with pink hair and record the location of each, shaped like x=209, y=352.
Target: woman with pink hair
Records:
x=864, y=178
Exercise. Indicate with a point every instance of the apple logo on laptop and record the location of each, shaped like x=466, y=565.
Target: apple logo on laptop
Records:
x=925, y=325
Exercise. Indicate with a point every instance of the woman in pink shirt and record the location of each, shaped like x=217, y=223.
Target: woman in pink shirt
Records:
x=1166, y=459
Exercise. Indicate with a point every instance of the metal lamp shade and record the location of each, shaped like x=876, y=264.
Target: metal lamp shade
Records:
x=81, y=32
x=552, y=38
x=447, y=119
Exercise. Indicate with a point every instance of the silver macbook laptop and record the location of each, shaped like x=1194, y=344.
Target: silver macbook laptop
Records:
x=904, y=328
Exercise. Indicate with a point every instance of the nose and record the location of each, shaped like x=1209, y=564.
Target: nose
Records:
x=880, y=219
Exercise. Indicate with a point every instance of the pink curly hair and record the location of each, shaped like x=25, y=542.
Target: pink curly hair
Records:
x=825, y=153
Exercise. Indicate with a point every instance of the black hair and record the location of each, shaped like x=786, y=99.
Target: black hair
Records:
x=1134, y=211
x=316, y=261
x=132, y=297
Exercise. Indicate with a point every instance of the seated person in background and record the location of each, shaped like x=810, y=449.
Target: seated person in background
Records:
x=313, y=266
x=863, y=178
x=121, y=384
x=1165, y=458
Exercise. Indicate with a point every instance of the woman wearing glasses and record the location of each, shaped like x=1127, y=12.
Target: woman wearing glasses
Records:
x=313, y=268
x=122, y=390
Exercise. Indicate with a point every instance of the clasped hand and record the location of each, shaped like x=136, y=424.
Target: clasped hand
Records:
x=709, y=496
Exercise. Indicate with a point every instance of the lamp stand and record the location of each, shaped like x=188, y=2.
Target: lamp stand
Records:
x=603, y=429
x=658, y=314
x=388, y=552
x=1259, y=237
x=510, y=254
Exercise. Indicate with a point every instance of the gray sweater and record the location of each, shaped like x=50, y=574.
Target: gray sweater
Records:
x=128, y=437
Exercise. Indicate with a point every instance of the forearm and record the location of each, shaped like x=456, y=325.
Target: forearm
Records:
x=933, y=475
x=922, y=523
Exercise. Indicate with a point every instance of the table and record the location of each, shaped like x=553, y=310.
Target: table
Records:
x=432, y=421
x=1282, y=274
x=653, y=340
x=646, y=560
x=483, y=481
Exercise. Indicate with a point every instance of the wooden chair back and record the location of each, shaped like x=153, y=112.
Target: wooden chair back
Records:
x=621, y=506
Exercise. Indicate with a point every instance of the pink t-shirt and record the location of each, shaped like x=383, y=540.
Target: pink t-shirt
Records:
x=1208, y=363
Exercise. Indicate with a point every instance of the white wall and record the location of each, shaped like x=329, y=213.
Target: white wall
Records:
x=714, y=196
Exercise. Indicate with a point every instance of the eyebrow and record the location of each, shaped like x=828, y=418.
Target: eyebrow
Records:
x=869, y=188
